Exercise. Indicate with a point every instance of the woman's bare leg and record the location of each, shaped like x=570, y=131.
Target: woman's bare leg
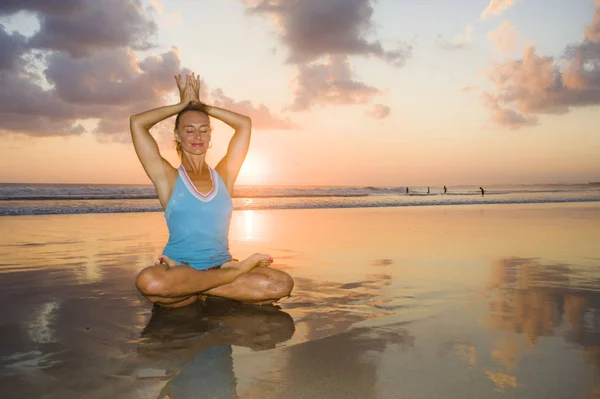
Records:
x=172, y=302
x=175, y=286
x=259, y=286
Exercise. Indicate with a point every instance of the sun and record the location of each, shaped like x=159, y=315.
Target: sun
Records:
x=252, y=172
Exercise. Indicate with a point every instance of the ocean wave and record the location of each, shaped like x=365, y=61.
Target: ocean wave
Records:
x=75, y=207
x=43, y=192
x=267, y=195
x=46, y=199
x=76, y=197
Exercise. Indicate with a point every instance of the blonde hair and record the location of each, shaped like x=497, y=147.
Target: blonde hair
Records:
x=178, y=148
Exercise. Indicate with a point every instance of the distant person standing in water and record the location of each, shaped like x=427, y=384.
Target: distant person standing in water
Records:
x=406, y=190
x=428, y=190
x=196, y=200
x=482, y=191
x=445, y=190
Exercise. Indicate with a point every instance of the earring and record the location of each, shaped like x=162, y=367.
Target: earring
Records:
x=210, y=144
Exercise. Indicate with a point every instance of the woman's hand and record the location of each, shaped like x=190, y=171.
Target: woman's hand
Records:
x=189, y=91
x=195, y=83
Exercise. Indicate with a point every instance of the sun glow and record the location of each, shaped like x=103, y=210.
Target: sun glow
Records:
x=252, y=172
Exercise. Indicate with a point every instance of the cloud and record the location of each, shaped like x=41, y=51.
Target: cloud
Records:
x=97, y=25
x=54, y=7
x=36, y=125
x=311, y=29
x=379, y=111
x=81, y=66
x=261, y=116
x=319, y=37
x=28, y=109
x=592, y=32
x=329, y=83
x=109, y=86
x=534, y=85
x=165, y=21
x=12, y=47
x=80, y=27
x=111, y=77
x=496, y=7
x=506, y=117
x=504, y=38
x=157, y=6
x=459, y=42
x=80, y=92
x=22, y=97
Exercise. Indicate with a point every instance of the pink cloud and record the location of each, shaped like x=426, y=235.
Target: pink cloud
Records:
x=379, y=111
x=534, y=85
x=505, y=38
x=261, y=116
x=329, y=83
x=592, y=32
x=496, y=7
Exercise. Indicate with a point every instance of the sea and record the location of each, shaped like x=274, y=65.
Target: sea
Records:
x=45, y=199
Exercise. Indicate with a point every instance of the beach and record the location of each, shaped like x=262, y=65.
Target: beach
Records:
x=458, y=301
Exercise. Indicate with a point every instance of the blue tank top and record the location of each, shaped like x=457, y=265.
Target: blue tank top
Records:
x=198, y=223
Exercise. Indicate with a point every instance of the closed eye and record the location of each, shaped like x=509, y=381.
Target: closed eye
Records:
x=191, y=130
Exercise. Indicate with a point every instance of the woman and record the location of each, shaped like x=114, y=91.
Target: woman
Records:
x=196, y=200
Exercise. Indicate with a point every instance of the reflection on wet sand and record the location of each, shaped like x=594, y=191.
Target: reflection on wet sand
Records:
x=328, y=357
x=387, y=304
x=192, y=346
x=322, y=309
x=536, y=300
x=345, y=365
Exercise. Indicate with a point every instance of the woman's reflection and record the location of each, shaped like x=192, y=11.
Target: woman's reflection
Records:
x=192, y=346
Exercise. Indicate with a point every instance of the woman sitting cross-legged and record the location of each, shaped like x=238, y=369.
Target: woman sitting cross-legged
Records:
x=196, y=200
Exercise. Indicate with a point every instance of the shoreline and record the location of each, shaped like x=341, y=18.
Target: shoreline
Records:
x=313, y=206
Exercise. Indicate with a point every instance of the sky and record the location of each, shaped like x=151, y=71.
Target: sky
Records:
x=340, y=92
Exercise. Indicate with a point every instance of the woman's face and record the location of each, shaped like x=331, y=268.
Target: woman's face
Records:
x=194, y=132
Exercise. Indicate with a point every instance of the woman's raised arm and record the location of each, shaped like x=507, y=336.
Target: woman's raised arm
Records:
x=143, y=142
x=229, y=167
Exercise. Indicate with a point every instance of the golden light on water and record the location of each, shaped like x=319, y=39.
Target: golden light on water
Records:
x=244, y=225
x=249, y=223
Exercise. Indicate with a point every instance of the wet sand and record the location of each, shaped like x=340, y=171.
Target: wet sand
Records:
x=432, y=302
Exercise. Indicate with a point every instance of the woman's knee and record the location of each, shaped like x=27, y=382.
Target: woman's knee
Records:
x=151, y=281
x=280, y=284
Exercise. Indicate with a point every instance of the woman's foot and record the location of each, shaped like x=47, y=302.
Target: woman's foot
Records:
x=165, y=260
x=254, y=260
